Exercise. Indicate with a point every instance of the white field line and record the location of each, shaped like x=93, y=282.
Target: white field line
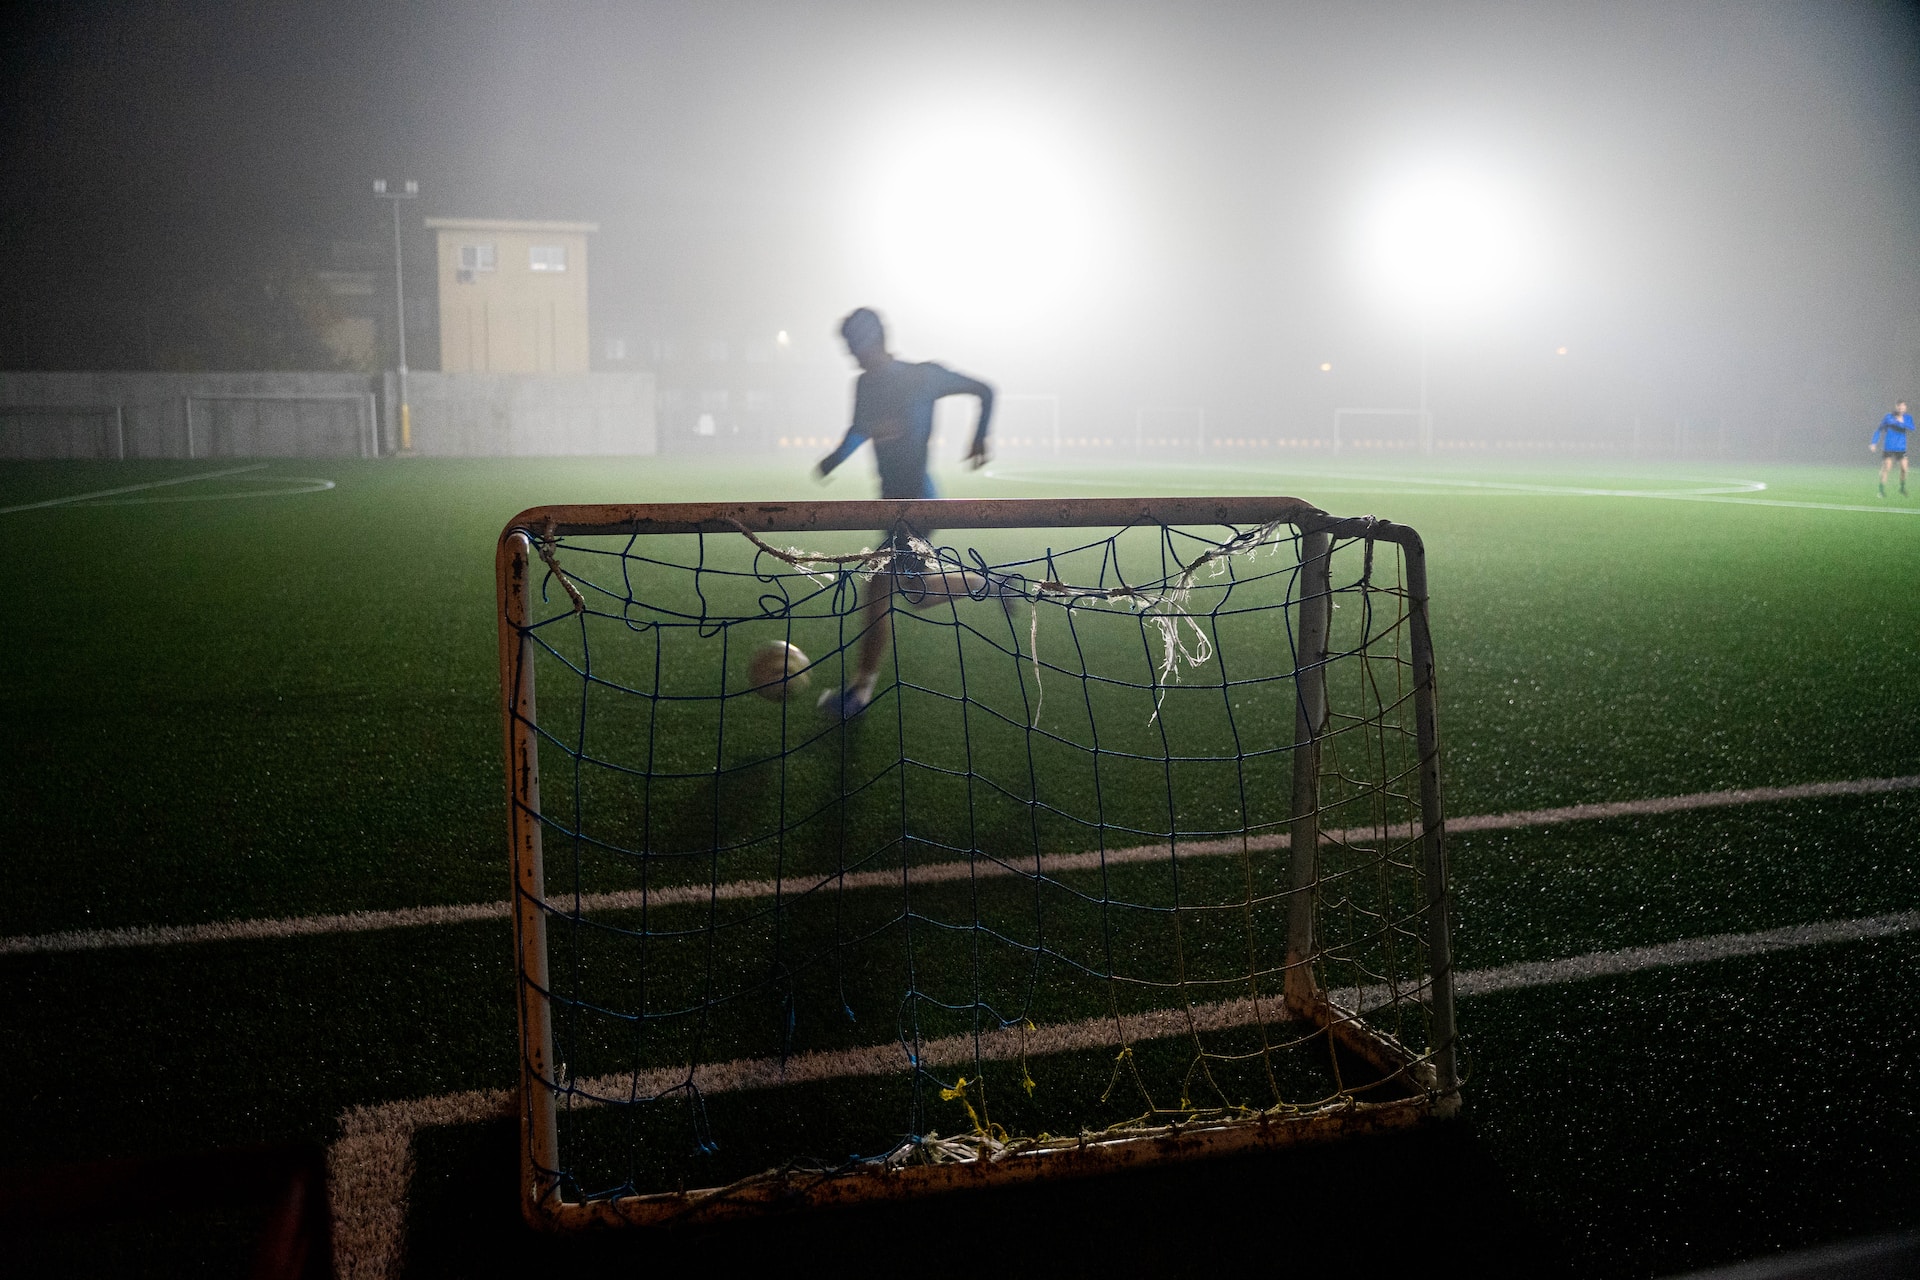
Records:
x=370, y=1164
x=132, y=488
x=308, y=484
x=1442, y=486
x=931, y=873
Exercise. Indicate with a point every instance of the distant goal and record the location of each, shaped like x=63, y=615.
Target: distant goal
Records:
x=1135, y=855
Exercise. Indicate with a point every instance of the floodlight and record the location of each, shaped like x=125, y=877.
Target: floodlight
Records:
x=1326, y=367
x=986, y=212
x=1449, y=238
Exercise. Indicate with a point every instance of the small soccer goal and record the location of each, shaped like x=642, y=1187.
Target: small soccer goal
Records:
x=63, y=431
x=1135, y=854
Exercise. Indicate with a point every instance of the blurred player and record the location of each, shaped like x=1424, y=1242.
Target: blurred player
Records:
x=1891, y=439
x=893, y=407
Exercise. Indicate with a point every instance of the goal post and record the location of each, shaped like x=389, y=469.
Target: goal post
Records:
x=1137, y=853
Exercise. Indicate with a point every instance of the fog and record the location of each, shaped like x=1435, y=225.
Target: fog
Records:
x=1714, y=209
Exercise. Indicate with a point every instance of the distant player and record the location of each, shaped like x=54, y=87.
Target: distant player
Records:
x=1891, y=439
x=893, y=407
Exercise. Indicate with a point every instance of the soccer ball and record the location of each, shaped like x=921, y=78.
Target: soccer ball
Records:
x=778, y=670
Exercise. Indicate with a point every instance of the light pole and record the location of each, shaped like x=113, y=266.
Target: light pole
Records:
x=1426, y=419
x=1455, y=241
x=409, y=190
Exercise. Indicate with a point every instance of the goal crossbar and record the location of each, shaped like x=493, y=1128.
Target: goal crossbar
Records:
x=1393, y=1084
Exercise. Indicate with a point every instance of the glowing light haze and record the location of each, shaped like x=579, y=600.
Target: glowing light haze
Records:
x=984, y=215
x=1448, y=239
x=1251, y=207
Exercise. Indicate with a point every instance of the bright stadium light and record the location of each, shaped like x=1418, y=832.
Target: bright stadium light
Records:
x=978, y=214
x=1449, y=240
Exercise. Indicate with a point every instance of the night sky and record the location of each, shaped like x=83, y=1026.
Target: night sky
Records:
x=1726, y=197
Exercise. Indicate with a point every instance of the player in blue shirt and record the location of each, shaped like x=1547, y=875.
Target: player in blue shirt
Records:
x=893, y=407
x=1891, y=439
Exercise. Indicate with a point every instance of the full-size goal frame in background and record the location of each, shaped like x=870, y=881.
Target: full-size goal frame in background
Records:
x=1426, y=1082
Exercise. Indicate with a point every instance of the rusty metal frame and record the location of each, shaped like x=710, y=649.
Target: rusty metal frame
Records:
x=1416, y=1086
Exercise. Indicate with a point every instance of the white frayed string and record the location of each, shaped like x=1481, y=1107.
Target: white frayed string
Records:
x=801, y=559
x=1166, y=610
x=549, y=546
x=1174, y=602
x=1033, y=648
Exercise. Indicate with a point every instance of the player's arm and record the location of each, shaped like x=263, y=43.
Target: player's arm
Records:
x=851, y=441
x=950, y=383
x=855, y=437
x=1874, y=444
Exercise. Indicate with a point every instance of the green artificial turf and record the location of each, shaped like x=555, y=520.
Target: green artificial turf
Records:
x=260, y=706
x=275, y=706
x=1693, y=1117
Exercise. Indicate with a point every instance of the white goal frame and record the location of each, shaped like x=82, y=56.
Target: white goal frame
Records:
x=113, y=416
x=1049, y=402
x=1428, y=1083
x=365, y=417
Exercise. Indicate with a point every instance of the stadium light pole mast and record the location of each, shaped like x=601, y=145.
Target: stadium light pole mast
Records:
x=409, y=190
x=1426, y=421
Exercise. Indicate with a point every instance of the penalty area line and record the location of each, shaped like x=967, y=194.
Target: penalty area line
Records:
x=273, y=928
x=133, y=488
x=307, y=484
x=370, y=1165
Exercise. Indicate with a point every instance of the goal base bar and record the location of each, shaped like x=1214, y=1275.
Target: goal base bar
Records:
x=1090, y=1157
x=1409, y=1083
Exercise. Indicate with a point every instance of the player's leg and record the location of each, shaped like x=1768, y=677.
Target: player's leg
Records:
x=874, y=626
x=875, y=631
x=1903, y=474
x=919, y=584
x=1886, y=465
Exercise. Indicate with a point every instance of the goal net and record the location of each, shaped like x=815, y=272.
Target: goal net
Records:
x=1135, y=852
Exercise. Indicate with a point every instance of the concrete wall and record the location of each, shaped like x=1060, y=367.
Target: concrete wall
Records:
x=514, y=415
x=320, y=415
x=187, y=415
